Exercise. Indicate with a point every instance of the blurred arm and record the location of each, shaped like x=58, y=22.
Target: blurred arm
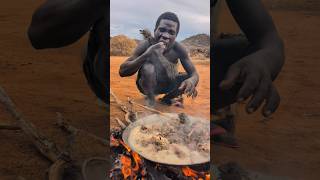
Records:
x=59, y=23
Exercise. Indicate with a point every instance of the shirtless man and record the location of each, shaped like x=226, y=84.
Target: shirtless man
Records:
x=246, y=66
x=58, y=23
x=155, y=62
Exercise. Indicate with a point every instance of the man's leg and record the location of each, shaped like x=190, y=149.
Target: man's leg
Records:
x=175, y=92
x=147, y=82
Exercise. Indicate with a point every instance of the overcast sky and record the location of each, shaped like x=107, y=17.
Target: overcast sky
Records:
x=129, y=16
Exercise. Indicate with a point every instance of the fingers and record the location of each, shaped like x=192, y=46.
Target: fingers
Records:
x=194, y=94
x=259, y=96
x=232, y=76
x=189, y=89
x=249, y=86
x=182, y=86
x=272, y=102
x=161, y=45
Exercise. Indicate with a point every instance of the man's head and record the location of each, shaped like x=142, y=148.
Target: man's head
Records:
x=167, y=28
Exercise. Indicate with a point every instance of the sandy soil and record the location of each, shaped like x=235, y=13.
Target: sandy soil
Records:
x=288, y=145
x=44, y=82
x=126, y=87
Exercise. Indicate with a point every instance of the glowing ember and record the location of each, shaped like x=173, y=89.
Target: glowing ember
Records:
x=137, y=161
x=194, y=174
x=125, y=146
x=208, y=177
x=189, y=172
x=126, y=166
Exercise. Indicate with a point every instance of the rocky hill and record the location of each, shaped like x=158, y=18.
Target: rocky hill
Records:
x=198, y=45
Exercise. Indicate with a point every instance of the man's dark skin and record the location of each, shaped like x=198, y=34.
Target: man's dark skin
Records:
x=149, y=81
x=246, y=67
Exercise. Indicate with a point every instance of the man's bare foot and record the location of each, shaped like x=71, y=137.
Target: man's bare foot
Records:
x=150, y=100
x=172, y=102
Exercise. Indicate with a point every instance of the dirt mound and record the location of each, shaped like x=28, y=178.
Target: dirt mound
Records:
x=121, y=45
x=198, y=45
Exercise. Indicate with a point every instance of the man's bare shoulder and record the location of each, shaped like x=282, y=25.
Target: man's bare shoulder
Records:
x=180, y=49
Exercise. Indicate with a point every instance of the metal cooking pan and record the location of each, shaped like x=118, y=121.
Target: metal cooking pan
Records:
x=152, y=119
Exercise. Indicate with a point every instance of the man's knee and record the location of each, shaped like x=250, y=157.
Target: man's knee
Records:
x=147, y=79
x=148, y=70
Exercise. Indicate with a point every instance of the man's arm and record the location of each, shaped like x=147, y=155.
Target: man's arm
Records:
x=59, y=23
x=260, y=30
x=256, y=70
x=139, y=57
x=189, y=85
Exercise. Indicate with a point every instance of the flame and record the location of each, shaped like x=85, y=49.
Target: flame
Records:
x=194, y=174
x=137, y=161
x=126, y=166
x=189, y=172
x=126, y=163
x=125, y=146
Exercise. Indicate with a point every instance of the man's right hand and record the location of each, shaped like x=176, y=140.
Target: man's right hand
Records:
x=156, y=48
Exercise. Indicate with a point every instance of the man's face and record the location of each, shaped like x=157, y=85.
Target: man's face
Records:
x=166, y=32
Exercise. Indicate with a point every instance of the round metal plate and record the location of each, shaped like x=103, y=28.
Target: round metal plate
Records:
x=152, y=119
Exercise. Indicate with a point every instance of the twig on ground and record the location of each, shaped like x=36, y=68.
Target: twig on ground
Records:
x=9, y=127
x=123, y=126
x=73, y=130
x=43, y=144
x=130, y=115
x=151, y=109
x=119, y=102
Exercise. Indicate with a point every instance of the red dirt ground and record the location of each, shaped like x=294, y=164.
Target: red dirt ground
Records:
x=126, y=87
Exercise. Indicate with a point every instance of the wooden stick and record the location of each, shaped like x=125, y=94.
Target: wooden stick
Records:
x=9, y=127
x=150, y=109
x=44, y=145
x=119, y=102
x=56, y=170
x=123, y=126
x=73, y=130
x=127, y=118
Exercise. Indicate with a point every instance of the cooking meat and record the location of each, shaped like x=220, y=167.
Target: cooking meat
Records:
x=183, y=118
x=160, y=142
x=204, y=147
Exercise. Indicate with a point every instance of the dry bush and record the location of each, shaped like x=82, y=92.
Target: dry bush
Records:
x=121, y=45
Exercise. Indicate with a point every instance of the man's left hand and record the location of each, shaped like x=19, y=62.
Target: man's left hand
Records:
x=256, y=80
x=188, y=87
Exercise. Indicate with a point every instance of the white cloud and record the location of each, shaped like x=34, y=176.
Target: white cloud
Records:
x=128, y=16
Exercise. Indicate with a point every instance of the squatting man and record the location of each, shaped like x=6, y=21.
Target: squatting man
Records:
x=156, y=59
